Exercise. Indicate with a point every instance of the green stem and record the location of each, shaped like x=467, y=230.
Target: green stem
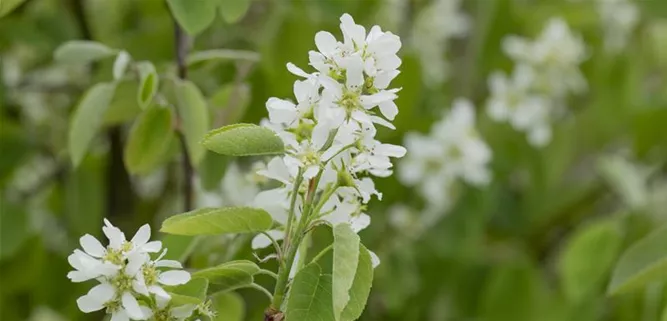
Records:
x=279, y=252
x=325, y=197
x=322, y=253
x=260, y=289
x=269, y=273
x=290, y=217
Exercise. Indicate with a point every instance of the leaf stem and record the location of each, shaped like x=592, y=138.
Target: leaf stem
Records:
x=275, y=245
x=261, y=289
x=322, y=253
x=290, y=217
x=269, y=273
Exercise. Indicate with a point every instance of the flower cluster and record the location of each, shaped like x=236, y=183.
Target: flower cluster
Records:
x=619, y=18
x=546, y=72
x=434, y=26
x=130, y=282
x=329, y=131
x=452, y=151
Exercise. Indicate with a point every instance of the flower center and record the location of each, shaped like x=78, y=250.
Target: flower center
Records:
x=150, y=275
x=114, y=256
x=122, y=282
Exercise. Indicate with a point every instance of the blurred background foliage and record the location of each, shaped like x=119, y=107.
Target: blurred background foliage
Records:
x=538, y=244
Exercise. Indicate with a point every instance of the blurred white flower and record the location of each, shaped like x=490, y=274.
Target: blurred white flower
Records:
x=619, y=19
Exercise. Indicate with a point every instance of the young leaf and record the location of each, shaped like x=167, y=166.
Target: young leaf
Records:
x=149, y=140
x=87, y=119
x=148, y=83
x=580, y=275
x=210, y=221
x=192, y=109
x=221, y=54
x=193, y=16
x=644, y=262
x=196, y=288
x=361, y=287
x=310, y=296
x=82, y=51
x=243, y=140
x=120, y=64
x=234, y=10
x=229, y=276
x=229, y=306
x=345, y=260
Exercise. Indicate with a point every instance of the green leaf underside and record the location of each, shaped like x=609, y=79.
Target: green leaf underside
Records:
x=211, y=221
x=229, y=276
x=644, y=262
x=193, y=111
x=148, y=83
x=87, y=119
x=193, y=16
x=310, y=296
x=361, y=287
x=149, y=140
x=178, y=299
x=234, y=10
x=196, y=288
x=345, y=260
x=243, y=140
x=82, y=51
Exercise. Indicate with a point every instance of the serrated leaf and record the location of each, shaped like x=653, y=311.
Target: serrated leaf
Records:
x=211, y=221
x=229, y=276
x=361, y=287
x=149, y=140
x=234, y=10
x=229, y=306
x=243, y=140
x=87, y=119
x=148, y=83
x=644, y=262
x=82, y=51
x=196, y=288
x=580, y=275
x=193, y=16
x=310, y=296
x=345, y=259
x=221, y=54
x=7, y=6
x=194, y=115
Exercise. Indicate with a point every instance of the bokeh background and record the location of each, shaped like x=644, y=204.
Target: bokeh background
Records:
x=538, y=243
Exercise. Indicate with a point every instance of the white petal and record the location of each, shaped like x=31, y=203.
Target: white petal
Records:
x=360, y=222
x=92, y=246
x=296, y=70
x=159, y=291
x=131, y=305
x=140, y=287
x=374, y=259
x=355, y=72
x=326, y=43
x=281, y=111
x=102, y=292
x=169, y=263
x=115, y=235
x=382, y=79
x=382, y=121
x=182, y=311
x=152, y=247
x=79, y=276
x=393, y=150
x=135, y=262
x=89, y=304
x=120, y=315
x=361, y=117
x=389, y=109
x=261, y=241
x=174, y=277
x=142, y=236
x=388, y=62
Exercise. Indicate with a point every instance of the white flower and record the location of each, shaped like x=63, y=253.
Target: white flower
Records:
x=619, y=18
x=151, y=278
x=167, y=311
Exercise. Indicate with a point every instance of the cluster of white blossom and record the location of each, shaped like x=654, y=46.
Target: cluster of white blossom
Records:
x=619, y=18
x=453, y=151
x=329, y=132
x=546, y=72
x=131, y=284
x=239, y=187
x=434, y=26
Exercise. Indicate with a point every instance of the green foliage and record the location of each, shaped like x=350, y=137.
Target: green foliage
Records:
x=193, y=111
x=87, y=119
x=149, y=140
x=361, y=287
x=230, y=306
x=81, y=51
x=234, y=10
x=6, y=6
x=210, y=221
x=642, y=263
x=243, y=140
x=193, y=16
x=229, y=276
x=310, y=296
x=148, y=83
x=345, y=260
x=195, y=288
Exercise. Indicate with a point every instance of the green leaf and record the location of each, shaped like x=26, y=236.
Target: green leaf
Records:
x=644, y=262
x=345, y=259
x=193, y=16
x=234, y=10
x=229, y=306
x=124, y=106
x=193, y=112
x=82, y=51
x=178, y=299
x=361, y=287
x=243, y=140
x=628, y=179
x=196, y=288
x=180, y=246
x=13, y=228
x=149, y=140
x=221, y=54
x=310, y=296
x=211, y=221
x=580, y=275
x=229, y=276
x=7, y=6
x=230, y=103
x=87, y=119
x=148, y=83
